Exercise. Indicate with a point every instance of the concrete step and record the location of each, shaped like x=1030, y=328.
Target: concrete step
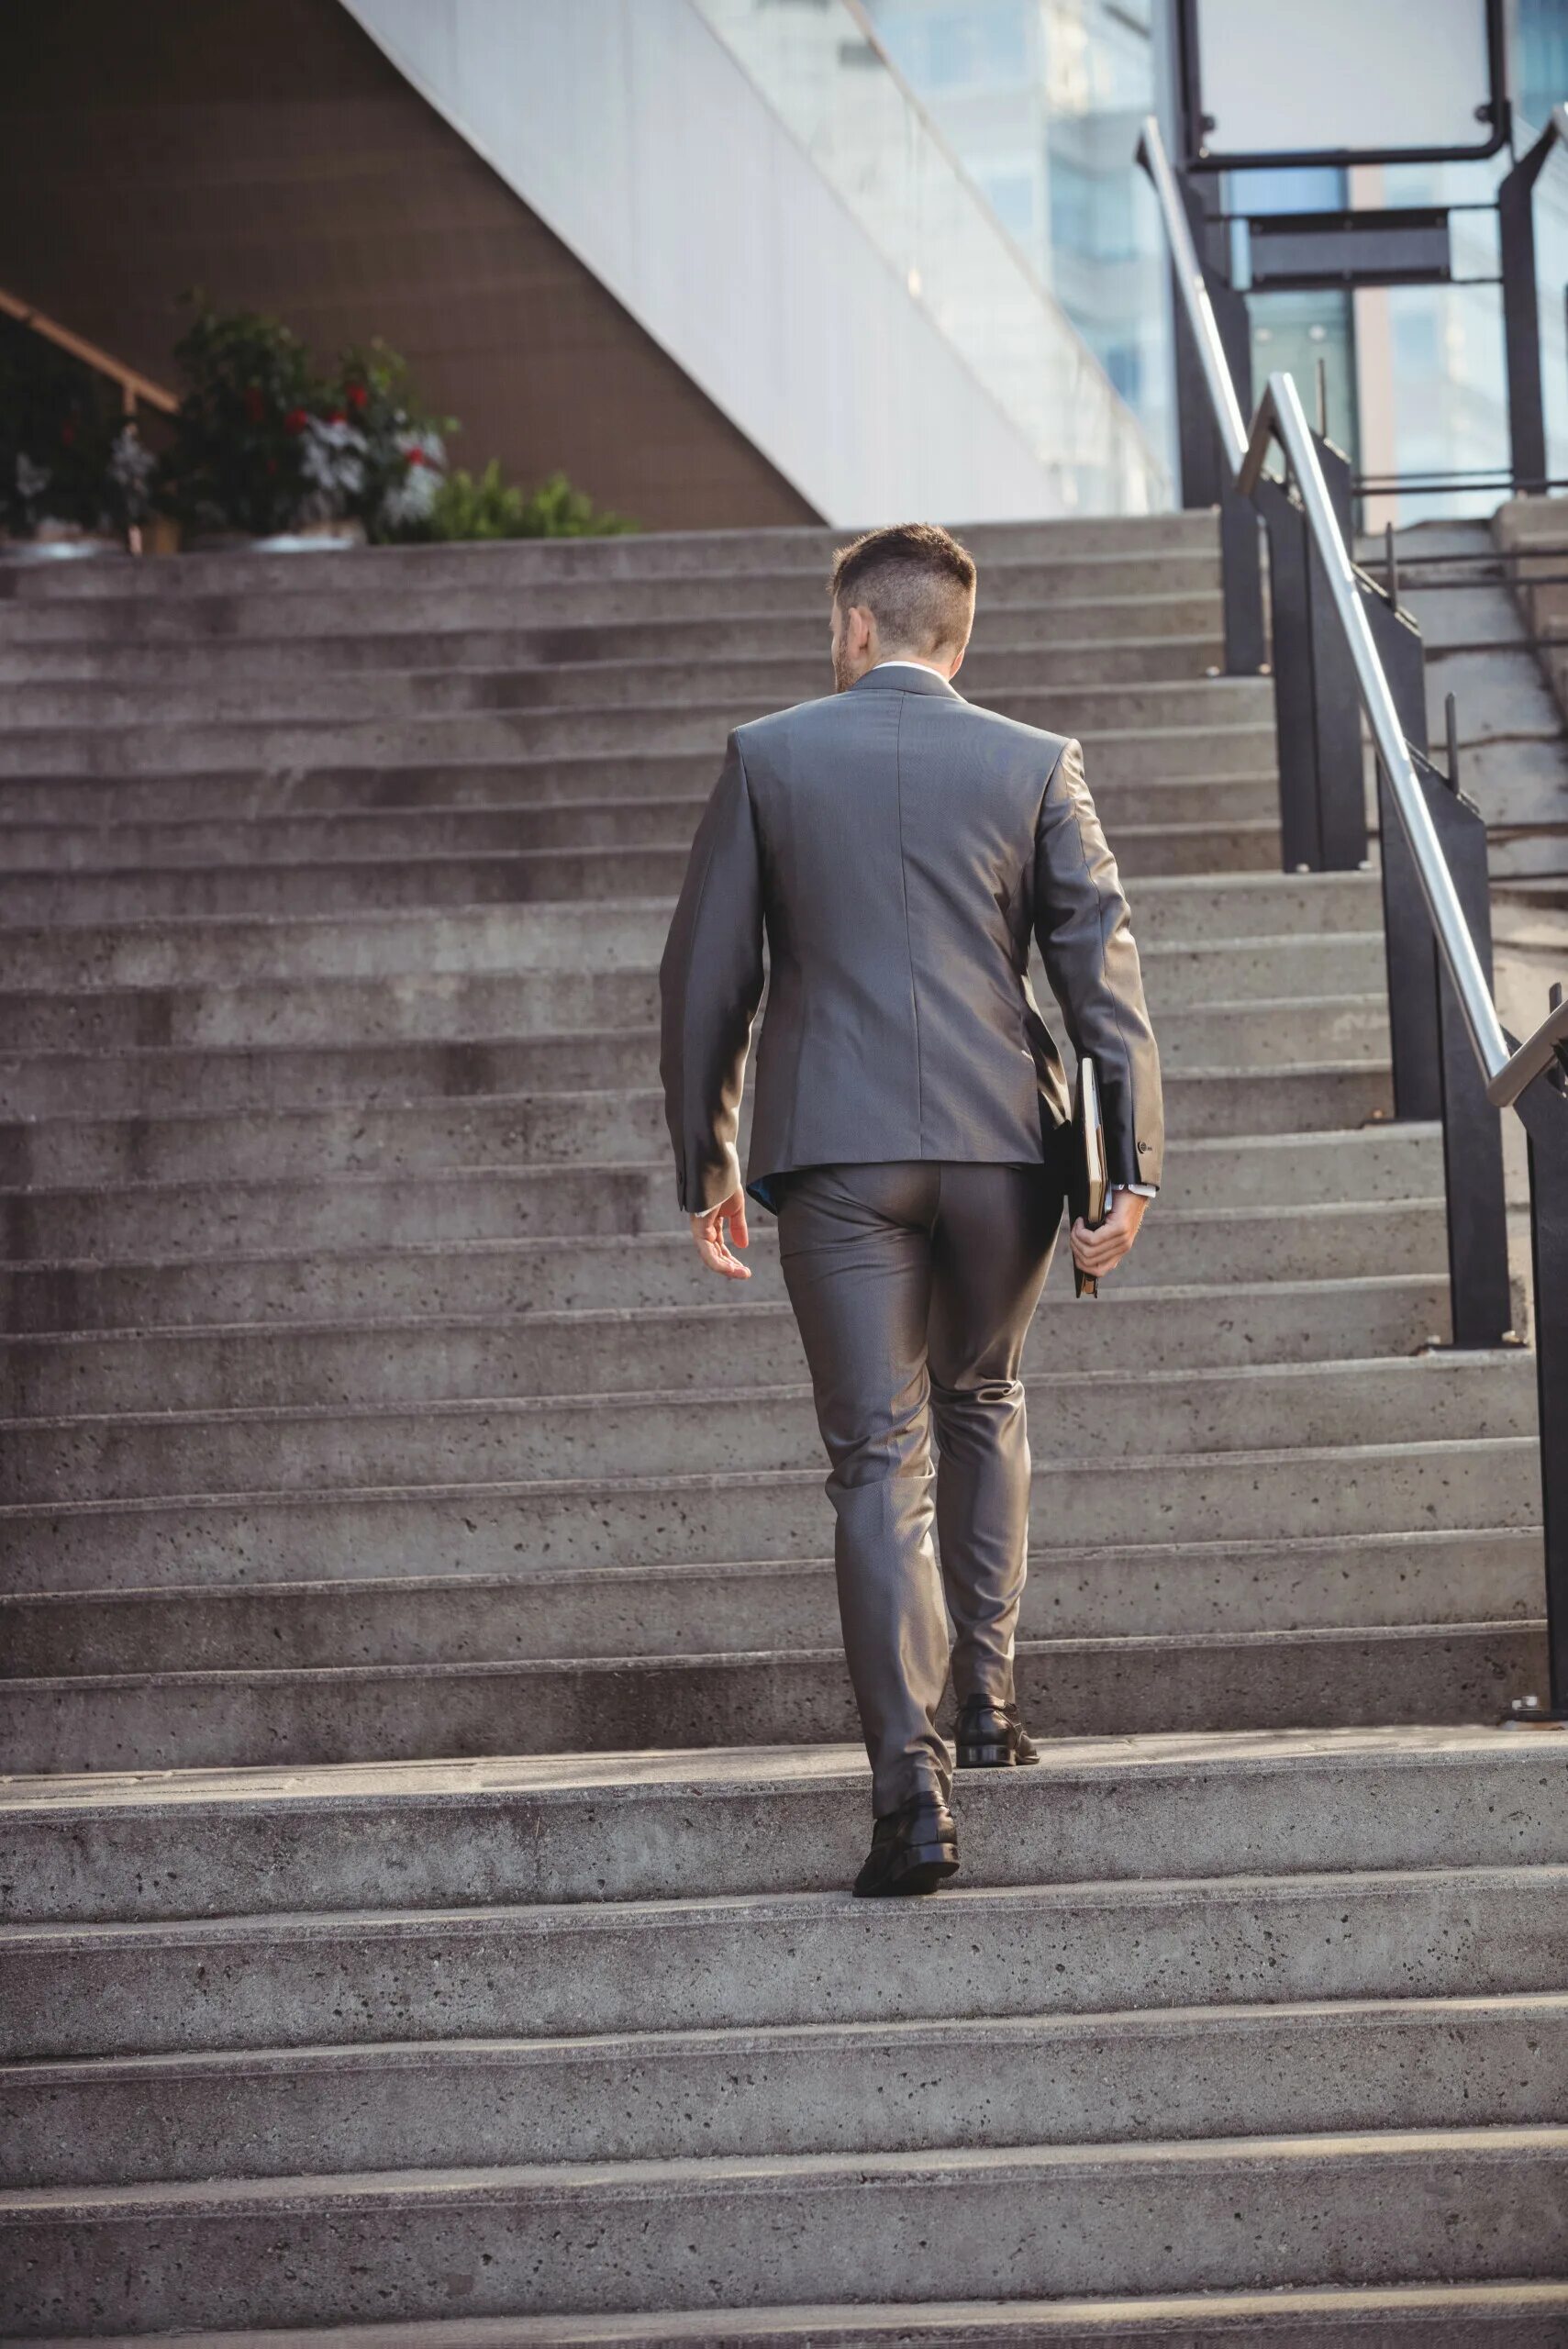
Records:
x=377, y=833
x=475, y=1202
x=525, y=1080
x=241, y=745
x=1154, y=636
x=409, y=1041
x=86, y=827
x=1475, y=2203
x=727, y=567
x=567, y=1828
x=1121, y=756
x=566, y=1133
x=1228, y=2070
x=179, y=1720
x=302, y=1535
x=772, y=680
x=569, y=618
x=450, y=1040
x=281, y=1047
x=724, y=553
x=347, y=1282
x=571, y=1267
x=1246, y=915
x=1148, y=1590
x=772, y=1958
x=438, y=877
x=1321, y=940
x=434, y=1355
x=441, y=1083
x=723, y=1431
x=1479, y=2316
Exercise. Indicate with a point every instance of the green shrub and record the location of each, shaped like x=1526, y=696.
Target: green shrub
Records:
x=493, y=508
x=263, y=441
x=237, y=460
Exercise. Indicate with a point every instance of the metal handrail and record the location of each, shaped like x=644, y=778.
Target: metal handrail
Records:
x=1280, y=420
x=1534, y=1056
x=1217, y=375
x=133, y=385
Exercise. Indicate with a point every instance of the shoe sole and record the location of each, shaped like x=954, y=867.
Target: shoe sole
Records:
x=994, y=1757
x=921, y=1869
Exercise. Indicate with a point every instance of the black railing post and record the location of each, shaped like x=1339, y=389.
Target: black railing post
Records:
x=1479, y=1293
x=1543, y=1111
x=1336, y=702
x=1317, y=708
x=1296, y=721
x=1521, y=315
x=1206, y=476
x=1409, y=945
x=1240, y=554
x=1199, y=457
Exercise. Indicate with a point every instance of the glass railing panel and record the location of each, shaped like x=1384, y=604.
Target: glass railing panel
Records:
x=818, y=66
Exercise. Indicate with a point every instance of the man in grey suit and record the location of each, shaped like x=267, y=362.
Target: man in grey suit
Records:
x=898, y=847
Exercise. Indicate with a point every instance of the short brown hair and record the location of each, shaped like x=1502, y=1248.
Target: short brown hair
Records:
x=915, y=580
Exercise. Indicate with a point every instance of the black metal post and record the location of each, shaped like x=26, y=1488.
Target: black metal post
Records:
x=1472, y=1136
x=1521, y=315
x=1296, y=726
x=1205, y=474
x=1197, y=440
x=1337, y=718
x=1408, y=944
x=1241, y=554
x=1543, y=1111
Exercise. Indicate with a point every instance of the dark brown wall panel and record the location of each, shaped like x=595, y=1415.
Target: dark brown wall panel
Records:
x=266, y=150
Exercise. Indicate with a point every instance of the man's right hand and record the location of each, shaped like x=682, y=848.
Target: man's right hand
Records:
x=708, y=1231
x=1101, y=1250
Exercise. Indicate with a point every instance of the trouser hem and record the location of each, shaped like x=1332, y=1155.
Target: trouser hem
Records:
x=922, y=1783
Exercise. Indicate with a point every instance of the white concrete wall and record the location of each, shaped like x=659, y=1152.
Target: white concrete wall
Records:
x=629, y=127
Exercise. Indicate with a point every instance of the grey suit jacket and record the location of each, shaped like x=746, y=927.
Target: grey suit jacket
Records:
x=897, y=847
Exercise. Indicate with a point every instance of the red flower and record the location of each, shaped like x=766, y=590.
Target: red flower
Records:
x=255, y=404
x=68, y=433
x=357, y=396
x=336, y=415
x=295, y=420
x=418, y=457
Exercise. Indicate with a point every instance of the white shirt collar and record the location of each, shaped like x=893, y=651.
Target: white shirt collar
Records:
x=904, y=661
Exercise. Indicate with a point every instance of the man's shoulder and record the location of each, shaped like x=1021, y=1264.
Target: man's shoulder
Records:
x=758, y=732
x=1017, y=733
x=826, y=709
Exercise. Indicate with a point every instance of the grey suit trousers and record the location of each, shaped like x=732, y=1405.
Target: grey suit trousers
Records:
x=914, y=1282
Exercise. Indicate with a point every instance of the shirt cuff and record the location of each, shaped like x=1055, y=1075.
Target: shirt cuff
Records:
x=1144, y=1190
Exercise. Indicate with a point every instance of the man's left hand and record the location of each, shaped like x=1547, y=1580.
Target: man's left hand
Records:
x=1100, y=1250
x=709, y=1231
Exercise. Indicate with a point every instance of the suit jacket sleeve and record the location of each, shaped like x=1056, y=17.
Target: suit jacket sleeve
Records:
x=710, y=983
x=1085, y=942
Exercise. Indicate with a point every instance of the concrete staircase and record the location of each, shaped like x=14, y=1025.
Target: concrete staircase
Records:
x=434, y=1780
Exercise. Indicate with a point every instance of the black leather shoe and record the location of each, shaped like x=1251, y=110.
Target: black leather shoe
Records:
x=912, y=1849
x=991, y=1737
